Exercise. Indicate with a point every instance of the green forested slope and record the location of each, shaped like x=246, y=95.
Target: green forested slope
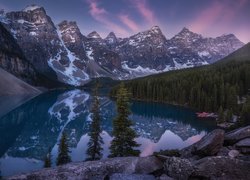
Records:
x=205, y=88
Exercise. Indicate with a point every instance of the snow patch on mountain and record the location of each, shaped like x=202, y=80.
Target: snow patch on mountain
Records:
x=90, y=53
x=33, y=33
x=204, y=53
x=3, y=18
x=72, y=74
x=138, y=69
x=14, y=33
x=31, y=8
x=182, y=66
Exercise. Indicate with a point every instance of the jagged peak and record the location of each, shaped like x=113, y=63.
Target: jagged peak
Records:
x=228, y=35
x=111, y=35
x=31, y=8
x=185, y=33
x=185, y=30
x=94, y=34
x=155, y=29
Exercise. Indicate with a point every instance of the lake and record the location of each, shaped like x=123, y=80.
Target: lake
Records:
x=30, y=130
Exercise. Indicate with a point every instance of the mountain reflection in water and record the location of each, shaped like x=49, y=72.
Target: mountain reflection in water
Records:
x=30, y=130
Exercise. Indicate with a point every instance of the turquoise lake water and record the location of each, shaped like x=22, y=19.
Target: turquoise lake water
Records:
x=27, y=132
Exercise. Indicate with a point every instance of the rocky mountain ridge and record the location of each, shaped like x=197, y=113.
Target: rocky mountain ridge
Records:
x=62, y=53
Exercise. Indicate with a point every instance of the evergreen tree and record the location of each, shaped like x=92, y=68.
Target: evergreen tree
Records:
x=203, y=88
x=221, y=118
x=96, y=141
x=63, y=151
x=123, y=143
x=47, y=159
x=245, y=113
x=229, y=115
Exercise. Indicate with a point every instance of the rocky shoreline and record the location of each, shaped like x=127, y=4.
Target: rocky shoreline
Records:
x=218, y=155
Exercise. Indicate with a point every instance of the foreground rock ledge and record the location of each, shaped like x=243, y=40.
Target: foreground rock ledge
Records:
x=96, y=169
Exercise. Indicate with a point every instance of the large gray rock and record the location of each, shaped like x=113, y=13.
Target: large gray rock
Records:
x=224, y=151
x=233, y=153
x=147, y=165
x=165, y=177
x=237, y=135
x=121, y=176
x=221, y=167
x=178, y=168
x=209, y=145
x=96, y=169
x=243, y=146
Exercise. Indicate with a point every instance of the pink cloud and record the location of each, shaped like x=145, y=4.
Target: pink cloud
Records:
x=145, y=11
x=129, y=22
x=214, y=14
x=96, y=11
x=102, y=16
x=207, y=17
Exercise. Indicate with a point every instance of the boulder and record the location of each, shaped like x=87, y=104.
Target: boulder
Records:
x=121, y=176
x=243, y=146
x=221, y=167
x=237, y=135
x=209, y=145
x=146, y=165
x=178, y=168
x=233, y=153
x=164, y=177
x=97, y=169
x=224, y=151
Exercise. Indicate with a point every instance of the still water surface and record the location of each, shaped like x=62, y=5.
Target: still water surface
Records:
x=27, y=132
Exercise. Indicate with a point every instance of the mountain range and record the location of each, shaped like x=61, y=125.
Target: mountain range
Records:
x=62, y=53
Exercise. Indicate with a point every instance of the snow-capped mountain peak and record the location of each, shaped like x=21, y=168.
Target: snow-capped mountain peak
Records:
x=31, y=8
x=63, y=53
x=185, y=33
x=94, y=35
x=111, y=38
x=155, y=29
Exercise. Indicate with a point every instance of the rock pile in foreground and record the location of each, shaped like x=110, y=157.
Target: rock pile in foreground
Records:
x=216, y=156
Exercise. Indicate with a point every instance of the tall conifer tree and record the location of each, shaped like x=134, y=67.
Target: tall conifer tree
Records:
x=96, y=141
x=47, y=159
x=123, y=143
x=63, y=151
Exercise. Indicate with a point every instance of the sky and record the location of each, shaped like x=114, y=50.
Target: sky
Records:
x=211, y=18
